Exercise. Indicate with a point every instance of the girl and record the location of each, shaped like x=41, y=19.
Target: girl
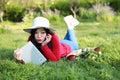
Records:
x=47, y=41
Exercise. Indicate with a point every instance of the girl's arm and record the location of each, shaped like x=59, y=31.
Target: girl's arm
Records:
x=52, y=54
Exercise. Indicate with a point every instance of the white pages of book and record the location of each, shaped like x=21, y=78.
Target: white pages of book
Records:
x=70, y=19
x=30, y=54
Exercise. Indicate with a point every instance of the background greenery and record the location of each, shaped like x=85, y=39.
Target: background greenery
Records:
x=84, y=10
x=102, y=30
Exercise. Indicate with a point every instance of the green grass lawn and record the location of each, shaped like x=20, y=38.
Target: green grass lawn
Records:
x=102, y=67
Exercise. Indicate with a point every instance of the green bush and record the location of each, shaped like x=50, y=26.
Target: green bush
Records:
x=15, y=12
x=56, y=18
x=28, y=17
x=105, y=17
x=87, y=14
x=59, y=5
x=115, y=4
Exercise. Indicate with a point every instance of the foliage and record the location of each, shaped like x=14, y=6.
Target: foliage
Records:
x=68, y=4
x=2, y=4
x=106, y=17
x=87, y=15
x=28, y=17
x=59, y=5
x=14, y=12
x=104, y=12
x=115, y=4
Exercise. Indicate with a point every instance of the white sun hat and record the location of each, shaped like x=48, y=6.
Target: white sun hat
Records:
x=39, y=22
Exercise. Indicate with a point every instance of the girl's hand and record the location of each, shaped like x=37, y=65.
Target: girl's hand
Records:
x=17, y=54
x=47, y=40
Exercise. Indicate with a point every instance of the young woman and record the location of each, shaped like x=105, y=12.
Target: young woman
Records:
x=48, y=42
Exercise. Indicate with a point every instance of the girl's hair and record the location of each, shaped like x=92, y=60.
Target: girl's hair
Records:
x=33, y=36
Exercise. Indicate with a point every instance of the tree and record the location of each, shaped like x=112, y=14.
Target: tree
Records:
x=2, y=8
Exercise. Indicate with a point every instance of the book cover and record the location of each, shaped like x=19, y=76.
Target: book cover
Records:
x=30, y=54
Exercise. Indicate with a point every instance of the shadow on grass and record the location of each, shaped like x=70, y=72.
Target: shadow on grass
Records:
x=6, y=54
x=116, y=69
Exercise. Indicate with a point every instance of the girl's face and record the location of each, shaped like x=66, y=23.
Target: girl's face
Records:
x=40, y=35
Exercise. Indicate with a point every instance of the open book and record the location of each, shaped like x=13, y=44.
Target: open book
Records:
x=30, y=54
x=71, y=20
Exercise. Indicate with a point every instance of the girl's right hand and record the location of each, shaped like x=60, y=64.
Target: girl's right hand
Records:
x=47, y=40
x=17, y=54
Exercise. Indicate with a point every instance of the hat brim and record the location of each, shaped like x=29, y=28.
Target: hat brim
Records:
x=28, y=30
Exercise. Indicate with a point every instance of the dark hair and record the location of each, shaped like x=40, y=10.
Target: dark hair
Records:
x=33, y=36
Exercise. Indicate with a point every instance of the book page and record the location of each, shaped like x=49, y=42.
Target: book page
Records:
x=31, y=54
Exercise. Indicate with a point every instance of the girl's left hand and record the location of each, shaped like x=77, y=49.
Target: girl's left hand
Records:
x=17, y=54
x=47, y=40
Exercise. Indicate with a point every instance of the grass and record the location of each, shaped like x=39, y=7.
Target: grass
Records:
x=103, y=67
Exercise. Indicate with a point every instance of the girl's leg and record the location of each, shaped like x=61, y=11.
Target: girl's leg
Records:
x=70, y=39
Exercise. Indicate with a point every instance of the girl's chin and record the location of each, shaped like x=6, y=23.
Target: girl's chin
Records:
x=39, y=42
